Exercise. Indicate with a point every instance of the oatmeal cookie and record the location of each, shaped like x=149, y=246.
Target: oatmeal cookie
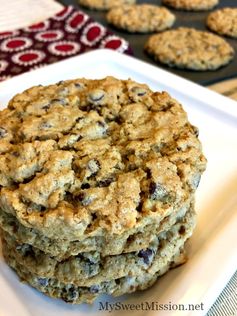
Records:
x=191, y=5
x=223, y=21
x=104, y=4
x=91, y=268
x=75, y=294
x=92, y=157
x=133, y=240
x=97, y=186
x=142, y=18
x=188, y=48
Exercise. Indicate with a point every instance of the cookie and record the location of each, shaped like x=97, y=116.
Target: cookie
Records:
x=188, y=48
x=141, y=18
x=191, y=5
x=75, y=294
x=97, y=178
x=223, y=21
x=104, y=4
x=91, y=268
x=83, y=147
x=138, y=238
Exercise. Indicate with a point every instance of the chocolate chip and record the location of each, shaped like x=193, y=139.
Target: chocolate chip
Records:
x=43, y=281
x=27, y=180
x=148, y=172
x=94, y=216
x=85, y=186
x=146, y=255
x=96, y=95
x=139, y=91
x=105, y=182
x=45, y=125
x=33, y=206
x=94, y=289
x=79, y=119
x=81, y=196
x=139, y=207
x=195, y=131
x=70, y=294
x=3, y=132
x=84, y=199
x=60, y=101
x=102, y=124
x=46, y=107
x=16, y=154
x=25, y=250
x=79, y=85
x=14, y=226
x=182, y=230
x=118, y=119
x=157, y=191
x=103, y=127
x=60, y=83
x=132, y=167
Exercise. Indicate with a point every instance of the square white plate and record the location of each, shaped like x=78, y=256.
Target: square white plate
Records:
x=213, y=247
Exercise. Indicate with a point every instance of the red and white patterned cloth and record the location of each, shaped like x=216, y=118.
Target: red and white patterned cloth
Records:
x=68, y=33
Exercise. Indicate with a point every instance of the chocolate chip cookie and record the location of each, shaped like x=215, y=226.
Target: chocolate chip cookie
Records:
x=96, y=173
x=141, y=18
x=89, y=268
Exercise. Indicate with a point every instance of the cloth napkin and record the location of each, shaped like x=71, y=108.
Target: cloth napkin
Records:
x=15, y=14
x=65, y=34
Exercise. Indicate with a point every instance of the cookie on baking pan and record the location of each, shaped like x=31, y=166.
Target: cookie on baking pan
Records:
x=223, y=21
x=141, y=18
x=188, y=48
x=104, y=4
x=191, y=5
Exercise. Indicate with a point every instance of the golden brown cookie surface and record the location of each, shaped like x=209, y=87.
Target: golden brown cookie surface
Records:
x=191, y=5
x=188, y=48
x=141, y=18
x=104, y=4
x=223, y=21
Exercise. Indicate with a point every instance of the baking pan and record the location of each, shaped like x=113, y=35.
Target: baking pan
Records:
x=183, y=18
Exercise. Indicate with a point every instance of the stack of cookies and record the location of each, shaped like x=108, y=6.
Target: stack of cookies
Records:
x=97, y=185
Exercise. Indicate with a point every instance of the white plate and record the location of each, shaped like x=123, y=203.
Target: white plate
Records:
x=213, y=247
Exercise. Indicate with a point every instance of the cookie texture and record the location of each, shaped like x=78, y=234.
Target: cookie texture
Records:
x=223, y=21
x=96, y=157
x=91, y=268
x=133, y=240
x=104, y=4
x=189, y=48
x=97, y=186
x=141, y=18
x=191, y=5
x=72, y=293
